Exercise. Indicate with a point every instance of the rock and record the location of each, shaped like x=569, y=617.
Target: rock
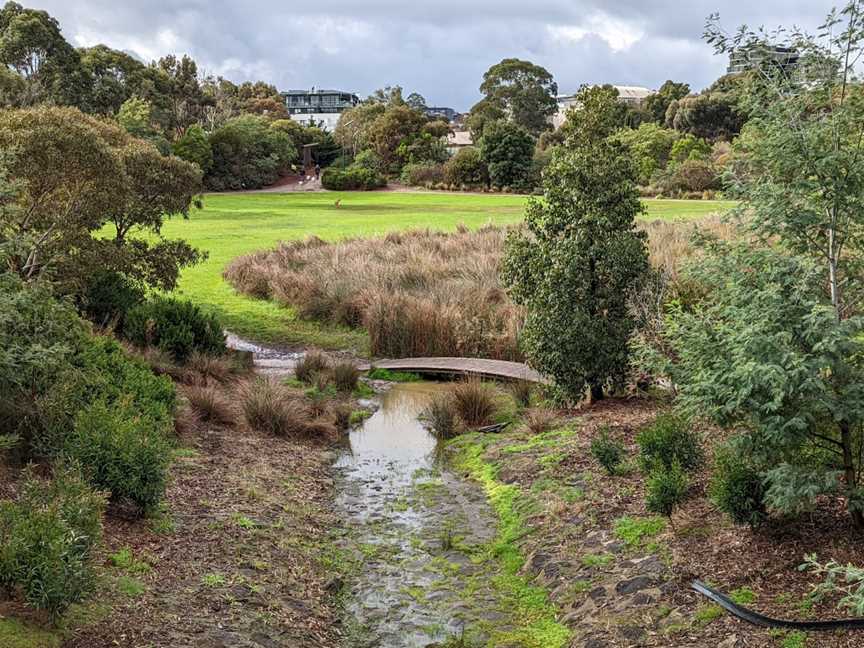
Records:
x=597, y=593
x=633, y=585
x=643, y=598
x=651, y=565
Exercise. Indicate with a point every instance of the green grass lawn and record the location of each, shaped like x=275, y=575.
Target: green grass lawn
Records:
x=231, y=225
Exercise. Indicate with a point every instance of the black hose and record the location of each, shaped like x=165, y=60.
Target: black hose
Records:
x=767, y=622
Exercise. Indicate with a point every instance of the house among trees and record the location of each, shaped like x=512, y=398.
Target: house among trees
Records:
x=632, y=96
x=319, y=107
x=440, y=112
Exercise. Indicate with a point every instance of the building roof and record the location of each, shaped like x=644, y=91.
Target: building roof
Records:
x=318, y=91
x=624, y=92
x=459, y=138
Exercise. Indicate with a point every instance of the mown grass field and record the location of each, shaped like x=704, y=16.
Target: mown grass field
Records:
x=231, y=225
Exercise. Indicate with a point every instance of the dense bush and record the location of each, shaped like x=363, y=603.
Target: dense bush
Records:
x=178, y=327
x=248, y=154
x=46, y=540
x=422, y=174
x=466, y=168
x=351, y=179
x=666, y=488
x=122, y=451
x=107, y=298
x=737, y=488
x=606, y=451
x=194, y=147
x=508, y=151
x=667, y=441
x=688, y=176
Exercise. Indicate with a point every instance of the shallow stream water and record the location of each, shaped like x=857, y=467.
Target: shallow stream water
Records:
x=416, y=529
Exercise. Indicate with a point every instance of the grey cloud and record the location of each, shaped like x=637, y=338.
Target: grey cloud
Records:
x=439, y=49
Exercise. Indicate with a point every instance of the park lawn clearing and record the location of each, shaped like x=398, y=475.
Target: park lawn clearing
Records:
x=230, y=225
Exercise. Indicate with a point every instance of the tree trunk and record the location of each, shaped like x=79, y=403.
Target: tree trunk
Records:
x=596, y=392
x=850, y=473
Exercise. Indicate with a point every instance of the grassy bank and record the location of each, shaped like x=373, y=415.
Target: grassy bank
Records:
x=232, y=225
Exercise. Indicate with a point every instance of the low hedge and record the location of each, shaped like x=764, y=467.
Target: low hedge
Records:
x=177, y=327
x=351, y=179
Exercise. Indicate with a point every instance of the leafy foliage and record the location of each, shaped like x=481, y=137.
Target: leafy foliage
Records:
x=47, y=537
x=523, y=90
x=352, y=178
x=176, y=326
x=248, y=154
x=737, y=487
x=466, y=168
x=122, y=452
x=607, y=452
x=666, y=488
x=669, y=441
x=579, y=258
x=193, y=146
x=507, y=150
x=107, y=297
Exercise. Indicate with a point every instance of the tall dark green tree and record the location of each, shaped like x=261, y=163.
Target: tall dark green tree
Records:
x=508, y=150
x=658, y=103
x=580, y=257
x=523, y=92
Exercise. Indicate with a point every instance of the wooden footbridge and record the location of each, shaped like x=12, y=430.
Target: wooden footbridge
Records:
x=461, y=366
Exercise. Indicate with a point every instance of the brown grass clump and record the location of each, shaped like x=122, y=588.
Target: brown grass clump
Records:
x=417, y=292
x=186, y=420
x=345, y=376
x=521, y=390
x=311, y=367
x=423, y=293
x=210, y=368
x=540, y=420
x=475, y=402
x=442, y=417
x=210, y=404
x=268, y=406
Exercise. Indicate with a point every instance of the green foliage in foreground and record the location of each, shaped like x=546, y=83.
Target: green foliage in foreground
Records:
x=177, y=327
x=46, y=540
x=231, y=225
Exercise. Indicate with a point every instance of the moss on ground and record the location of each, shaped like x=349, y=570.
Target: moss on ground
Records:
x=533, y=612
x=15, y=634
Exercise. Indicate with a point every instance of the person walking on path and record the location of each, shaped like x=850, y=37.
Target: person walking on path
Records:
x=317, y=171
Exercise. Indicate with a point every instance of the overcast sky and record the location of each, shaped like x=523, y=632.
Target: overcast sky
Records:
x=439, y=48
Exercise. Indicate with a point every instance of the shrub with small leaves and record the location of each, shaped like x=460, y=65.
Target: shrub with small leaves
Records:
x=666, y=488
x=46, y=540
x=107, y=297
x=737, y=488
x=178, y=327
x=669, y=440
x=606, y=451
x=122, y=451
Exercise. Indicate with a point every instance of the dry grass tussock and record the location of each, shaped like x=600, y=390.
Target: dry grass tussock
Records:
x=271, y=407
x=418, y=293
x=422, y=293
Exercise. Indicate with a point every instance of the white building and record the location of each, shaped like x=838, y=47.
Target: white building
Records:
x=320, y=108
x=633, y=96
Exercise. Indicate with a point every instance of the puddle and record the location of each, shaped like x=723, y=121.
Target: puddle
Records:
x=417, y=530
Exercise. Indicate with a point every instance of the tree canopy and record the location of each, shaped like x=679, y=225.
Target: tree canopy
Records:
x=522, y=91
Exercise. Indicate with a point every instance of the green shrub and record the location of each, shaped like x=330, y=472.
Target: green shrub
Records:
x=422, y=174
x=669, y=440
x=666, y=488
x=351, y=179
x=100, y=371
x=466, y=168
x=606, y=451
x=122, y=451
x=47, y=538
x=379, y=373
x=178, y=327
x=737, y=488
x=107, y=298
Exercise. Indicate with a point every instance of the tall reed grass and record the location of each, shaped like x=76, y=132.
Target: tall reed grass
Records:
x=420, y=293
